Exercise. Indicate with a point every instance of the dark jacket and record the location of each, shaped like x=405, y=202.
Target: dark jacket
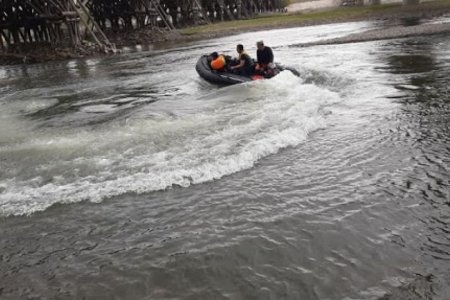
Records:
x=265, y=56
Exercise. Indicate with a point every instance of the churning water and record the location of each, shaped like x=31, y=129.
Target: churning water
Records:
x=334, y=185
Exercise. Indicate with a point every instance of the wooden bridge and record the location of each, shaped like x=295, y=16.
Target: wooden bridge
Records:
x=68, y=22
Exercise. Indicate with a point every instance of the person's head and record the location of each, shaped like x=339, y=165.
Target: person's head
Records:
x=214, y=55
x=240, y=48
x=260, y=45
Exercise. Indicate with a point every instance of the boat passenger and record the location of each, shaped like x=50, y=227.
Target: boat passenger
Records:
x=245, y=63
x=218, y=62
x=264, y=56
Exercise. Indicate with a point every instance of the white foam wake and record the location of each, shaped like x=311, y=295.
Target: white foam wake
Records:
x=242, y=125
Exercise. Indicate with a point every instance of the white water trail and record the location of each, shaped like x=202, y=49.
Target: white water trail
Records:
x=240, y=125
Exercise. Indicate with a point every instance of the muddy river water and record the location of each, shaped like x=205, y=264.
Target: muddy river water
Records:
x=129, y=177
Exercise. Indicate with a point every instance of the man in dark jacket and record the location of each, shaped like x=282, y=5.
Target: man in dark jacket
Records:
x=264, y=55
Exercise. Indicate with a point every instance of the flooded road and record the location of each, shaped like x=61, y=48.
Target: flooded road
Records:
x=129, y=177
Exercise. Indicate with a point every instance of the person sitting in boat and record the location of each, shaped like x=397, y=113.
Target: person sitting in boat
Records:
x=264, y=55
x=218, y=62
x=245, y=63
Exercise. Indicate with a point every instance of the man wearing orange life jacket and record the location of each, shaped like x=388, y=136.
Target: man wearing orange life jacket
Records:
x=218, y=62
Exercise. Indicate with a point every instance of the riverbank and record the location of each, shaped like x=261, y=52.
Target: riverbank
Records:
x=392, y=14
x=44, y=52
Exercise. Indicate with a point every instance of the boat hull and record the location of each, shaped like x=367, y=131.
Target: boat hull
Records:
x=224, y=78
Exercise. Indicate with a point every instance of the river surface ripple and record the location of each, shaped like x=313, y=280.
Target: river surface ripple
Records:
x=128, y=177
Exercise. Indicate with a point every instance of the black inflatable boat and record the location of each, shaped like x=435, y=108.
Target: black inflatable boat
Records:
x=226, y=78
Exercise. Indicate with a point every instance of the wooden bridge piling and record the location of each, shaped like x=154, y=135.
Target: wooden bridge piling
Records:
x=62, y=22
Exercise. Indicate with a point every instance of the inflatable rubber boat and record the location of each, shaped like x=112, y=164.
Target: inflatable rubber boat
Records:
x=227, y=78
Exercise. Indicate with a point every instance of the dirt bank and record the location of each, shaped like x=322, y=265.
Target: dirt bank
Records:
x=28, y=54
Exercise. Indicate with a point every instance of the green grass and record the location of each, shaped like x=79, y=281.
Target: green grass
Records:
x=332, y=15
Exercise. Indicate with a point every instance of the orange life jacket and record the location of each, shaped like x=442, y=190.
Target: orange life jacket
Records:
x=219, y=63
